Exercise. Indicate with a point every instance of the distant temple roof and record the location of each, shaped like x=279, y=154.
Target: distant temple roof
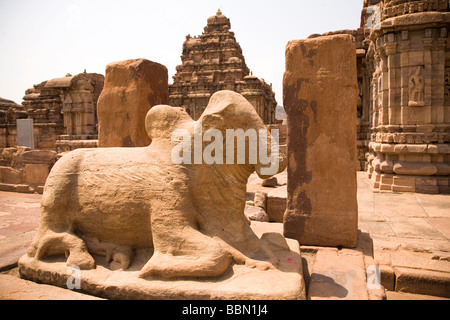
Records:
x=64, y=82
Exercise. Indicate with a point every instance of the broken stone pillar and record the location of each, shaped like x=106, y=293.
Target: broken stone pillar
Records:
x=131, y=88
x=320, y=98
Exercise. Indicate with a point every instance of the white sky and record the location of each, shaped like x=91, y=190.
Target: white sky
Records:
x=41, y=40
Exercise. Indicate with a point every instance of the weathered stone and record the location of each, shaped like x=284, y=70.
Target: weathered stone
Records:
x=256, y=213
x=7, y=153
x=36, y=174
x=338, y=275
x=17, y=156
x=63, y=106
x=426, y=282
x=260, y=200
x=13, y=288
x=131, y=88
x=151, y=215
x=415, y=168
x=10, y=112
x=39, y=156
x=10, y=175
x=270, y=182
x=320, y=94
x=276, y=203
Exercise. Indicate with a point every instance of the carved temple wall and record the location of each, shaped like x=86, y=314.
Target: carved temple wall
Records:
x=409, y=60
x=64, y=111
x=9, y=113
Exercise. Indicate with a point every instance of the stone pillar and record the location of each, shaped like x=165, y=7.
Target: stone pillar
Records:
x=320, y=97
x=131, y=88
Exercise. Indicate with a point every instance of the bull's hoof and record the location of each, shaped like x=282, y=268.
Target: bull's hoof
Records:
x=82, y=260
x=169, y=266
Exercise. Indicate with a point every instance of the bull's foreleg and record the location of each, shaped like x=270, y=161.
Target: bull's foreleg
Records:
x=180, y=249
x=49, y=243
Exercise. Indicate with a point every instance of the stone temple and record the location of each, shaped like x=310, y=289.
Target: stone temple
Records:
x=407, y=63
x=214, y=61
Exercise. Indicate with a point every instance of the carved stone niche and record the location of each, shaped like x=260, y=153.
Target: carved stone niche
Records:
x=416, y=87
x=133, y=224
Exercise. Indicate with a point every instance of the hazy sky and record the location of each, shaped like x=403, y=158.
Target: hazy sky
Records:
x=46, y=39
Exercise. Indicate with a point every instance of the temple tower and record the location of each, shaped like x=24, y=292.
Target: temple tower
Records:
x=214, y=61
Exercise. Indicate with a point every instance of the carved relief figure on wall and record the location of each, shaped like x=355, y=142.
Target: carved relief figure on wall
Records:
x=416, y=88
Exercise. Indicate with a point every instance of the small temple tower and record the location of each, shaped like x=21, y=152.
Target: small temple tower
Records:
x=211, y=62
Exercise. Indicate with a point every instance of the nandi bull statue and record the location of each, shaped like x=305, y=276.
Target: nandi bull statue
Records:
x=181, y=196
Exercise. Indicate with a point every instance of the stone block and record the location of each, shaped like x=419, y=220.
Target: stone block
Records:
x=404, y=184
x=420, y=281
x=387, y=277
x=36, y=174
x=256, y=213
x=39, y=156
x=10, y=175
x=8, y=187
x=386, y=181
x=320, y=94
x=415, y=168
x=338, y=275
x=416, y=58
x=260, y=200
x=427, y=185
x=131, y=88
x=270, y=182
x=7, y=153
x=276, y=204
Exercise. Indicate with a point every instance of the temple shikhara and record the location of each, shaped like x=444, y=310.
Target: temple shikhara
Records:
x=214, y=61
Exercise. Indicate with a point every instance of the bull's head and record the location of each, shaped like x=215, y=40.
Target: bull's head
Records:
x=229, y=132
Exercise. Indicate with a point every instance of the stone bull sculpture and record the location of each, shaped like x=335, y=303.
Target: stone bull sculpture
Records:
x=112, y=201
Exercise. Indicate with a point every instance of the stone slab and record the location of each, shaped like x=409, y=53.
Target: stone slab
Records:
x=320, y=95
x=338, y=275
x=13, y=288
x=420, y=281
x=12, y=248
x=419, y=260
x=285, y=283
x=393, y=295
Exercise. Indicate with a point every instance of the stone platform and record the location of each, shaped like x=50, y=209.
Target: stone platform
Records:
x=240, y=283
x=407, y=235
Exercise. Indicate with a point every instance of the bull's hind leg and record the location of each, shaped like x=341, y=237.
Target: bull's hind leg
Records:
x=59, y=204
x=48, y=243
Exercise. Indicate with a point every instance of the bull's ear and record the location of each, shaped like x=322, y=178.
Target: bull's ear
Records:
x=162, y=120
